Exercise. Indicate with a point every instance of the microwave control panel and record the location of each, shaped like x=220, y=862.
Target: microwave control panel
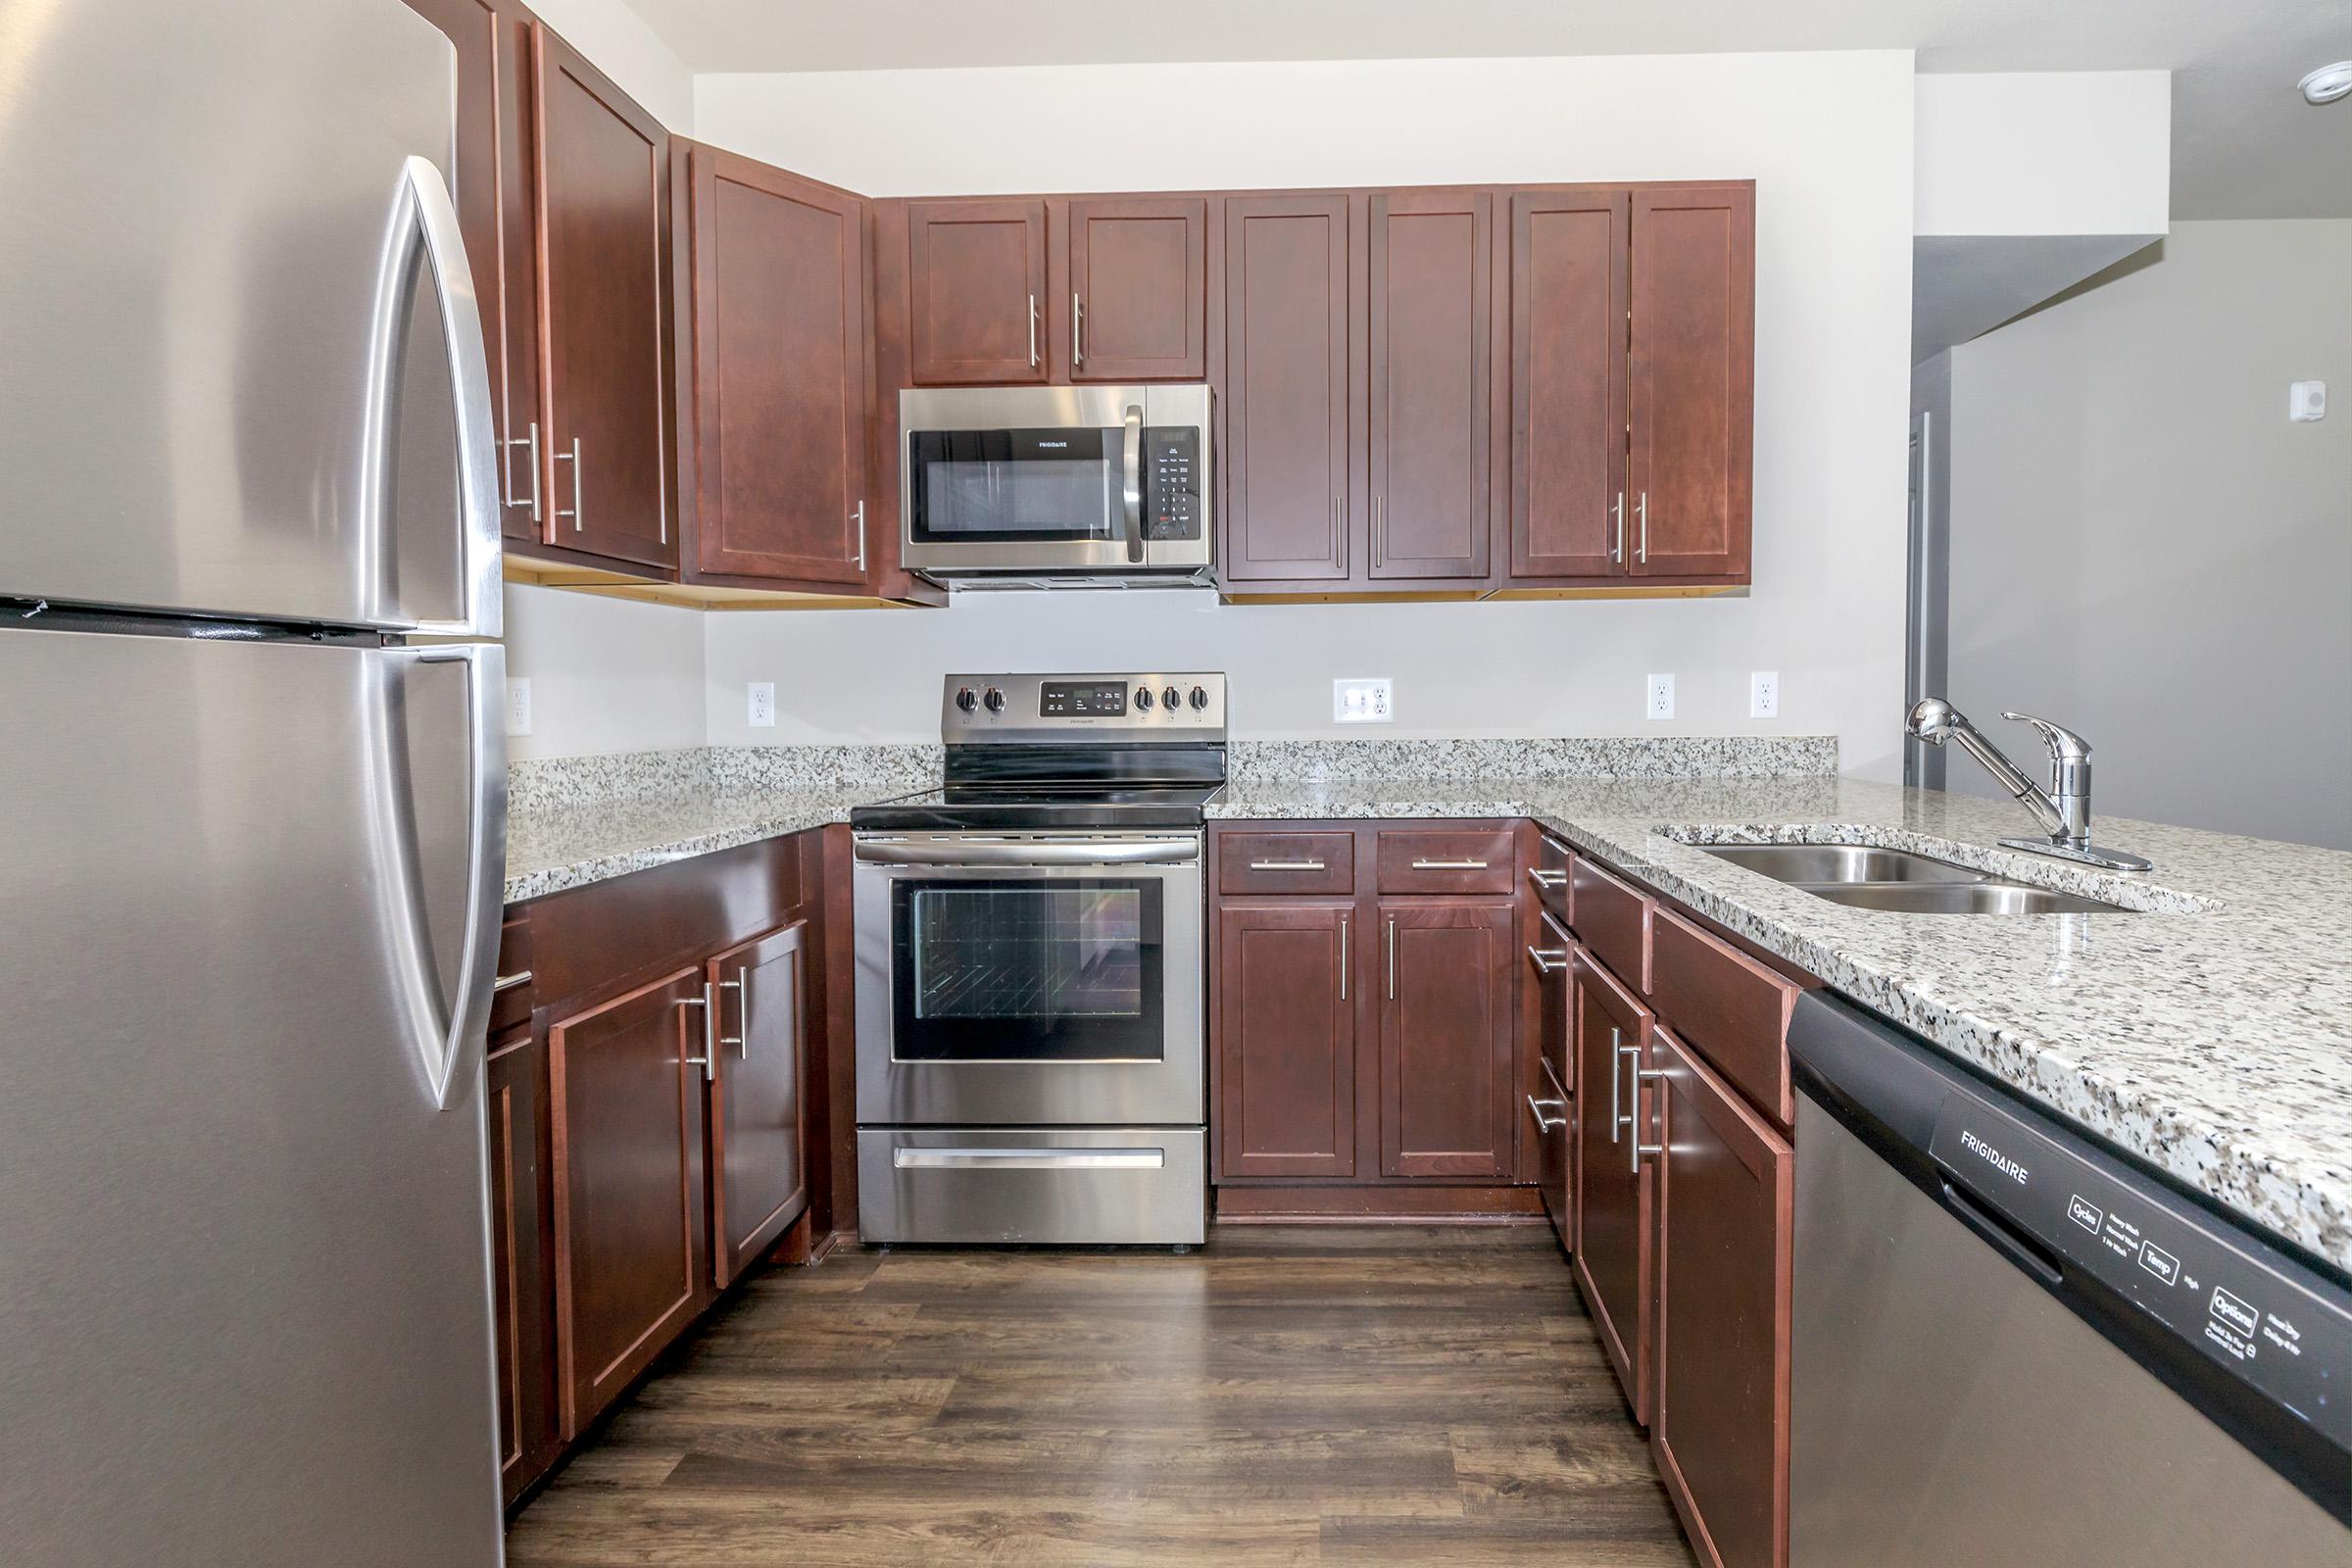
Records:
x=1172, y=482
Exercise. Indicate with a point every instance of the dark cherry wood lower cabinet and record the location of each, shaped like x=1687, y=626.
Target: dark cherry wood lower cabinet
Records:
x=1719, y=1423
x=627, y=1097
x=519, y=1227
x=759, y=1164
x=1612, y=1187
x=1447, y=1056
x=1286, y=1040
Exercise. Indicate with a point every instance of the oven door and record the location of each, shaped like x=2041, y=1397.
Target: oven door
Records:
x=1029, y=980
x=1054, y=479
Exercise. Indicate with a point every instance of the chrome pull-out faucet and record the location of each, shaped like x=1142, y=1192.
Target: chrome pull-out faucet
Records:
x=2063, y=810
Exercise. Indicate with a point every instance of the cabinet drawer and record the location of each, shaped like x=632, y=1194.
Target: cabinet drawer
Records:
x=1613, y=920
x=1734, y=1010
x=1285, y=863
x=1550, y=877
x=510, y=1001
x=1448, y=860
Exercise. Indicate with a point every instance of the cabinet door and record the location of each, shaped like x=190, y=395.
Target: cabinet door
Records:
x=1286, y=1040
x=1568, y=371
x=780, y=408
x=627, y=1081
x=519, y=1222
x=1431, y=385
x=1289, y=505
x=1720, y=1423
x=494, y=211
x=1611, y=1188
x=603, y=175
x=758, y=1123
x=976, y=277
x=1692, y=286
x=1138, y=288
x=1448, y=1097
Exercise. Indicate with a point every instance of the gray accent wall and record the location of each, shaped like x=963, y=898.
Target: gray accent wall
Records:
x=2144, y=547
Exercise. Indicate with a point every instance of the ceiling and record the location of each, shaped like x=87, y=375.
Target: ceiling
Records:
x=2245, y=144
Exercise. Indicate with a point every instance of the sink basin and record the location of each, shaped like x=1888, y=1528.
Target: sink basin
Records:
x=1961, y=897
x=1815, y=864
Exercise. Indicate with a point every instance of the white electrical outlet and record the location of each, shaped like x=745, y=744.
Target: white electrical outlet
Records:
x=1363, y=702
x=2307, y=402
x=761, y=706
x=1658, y=697
x=1764, y=694
x=519, y=704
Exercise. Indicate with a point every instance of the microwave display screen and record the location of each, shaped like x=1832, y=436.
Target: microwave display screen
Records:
x=1083, y=699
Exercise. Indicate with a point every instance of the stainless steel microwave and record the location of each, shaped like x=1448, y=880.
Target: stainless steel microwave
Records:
x=1068, y=484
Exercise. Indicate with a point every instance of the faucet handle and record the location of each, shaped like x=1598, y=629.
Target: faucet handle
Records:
x=2064, y=745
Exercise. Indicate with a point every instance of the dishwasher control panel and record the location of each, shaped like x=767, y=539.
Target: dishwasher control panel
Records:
x=2252, y=1317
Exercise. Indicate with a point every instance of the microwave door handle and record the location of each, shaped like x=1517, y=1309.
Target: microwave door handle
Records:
x=1132, y=486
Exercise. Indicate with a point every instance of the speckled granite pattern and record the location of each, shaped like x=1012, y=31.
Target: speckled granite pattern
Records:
x=582, y=819
x=1614, y=757
x=2210, y=1034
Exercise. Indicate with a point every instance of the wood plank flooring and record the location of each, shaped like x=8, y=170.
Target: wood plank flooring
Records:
x=1430, y=1395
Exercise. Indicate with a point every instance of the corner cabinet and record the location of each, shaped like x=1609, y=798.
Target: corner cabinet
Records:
x=774, y=278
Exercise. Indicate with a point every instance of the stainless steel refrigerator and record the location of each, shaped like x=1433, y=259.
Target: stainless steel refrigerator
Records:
x=252, y=793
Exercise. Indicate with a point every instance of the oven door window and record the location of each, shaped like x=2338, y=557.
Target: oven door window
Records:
x=978, y=486
x=1016, y=970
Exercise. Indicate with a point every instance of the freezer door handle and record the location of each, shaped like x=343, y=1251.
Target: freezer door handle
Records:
x=427, y=216
x=450, y=1030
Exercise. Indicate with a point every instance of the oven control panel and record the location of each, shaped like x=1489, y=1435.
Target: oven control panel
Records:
x=1143, y=706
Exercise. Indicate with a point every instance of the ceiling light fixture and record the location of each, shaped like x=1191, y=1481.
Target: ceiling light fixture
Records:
x=2328, y=84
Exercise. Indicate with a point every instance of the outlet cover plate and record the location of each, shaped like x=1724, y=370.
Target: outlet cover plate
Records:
x=519, y=704
x=1764, y=694
x=761, y=704
x=1363, y=702
x=1658, y=697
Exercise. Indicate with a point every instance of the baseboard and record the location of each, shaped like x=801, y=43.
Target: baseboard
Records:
x=1379, y=1205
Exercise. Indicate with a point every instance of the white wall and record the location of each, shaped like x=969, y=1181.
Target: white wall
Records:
x=1827, y=138
x=607, y=674
x=2145, y=548
x=618, y=43
x=2067, y=152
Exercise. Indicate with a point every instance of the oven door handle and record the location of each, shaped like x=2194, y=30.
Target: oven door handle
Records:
x=1131, y=489
x=1171, y=852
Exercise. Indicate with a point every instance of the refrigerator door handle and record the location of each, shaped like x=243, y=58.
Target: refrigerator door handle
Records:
x=426, y=214
x=451, y=1033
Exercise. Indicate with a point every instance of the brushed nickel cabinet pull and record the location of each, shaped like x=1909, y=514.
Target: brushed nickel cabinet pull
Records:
x=1286, y=865
x=1642, y=1075
x=1391, y=957
x=1077, y=329
x=1449, y=866
x=1342, y=957
x=508, y=445
x=573, y=457
x=508, y=982
x=1033, y=330
x=1543, y=1123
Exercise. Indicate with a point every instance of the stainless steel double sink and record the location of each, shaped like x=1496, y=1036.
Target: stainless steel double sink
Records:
x=1866, y=878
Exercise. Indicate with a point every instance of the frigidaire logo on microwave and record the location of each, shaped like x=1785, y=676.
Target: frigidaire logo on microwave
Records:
x=1052, y=443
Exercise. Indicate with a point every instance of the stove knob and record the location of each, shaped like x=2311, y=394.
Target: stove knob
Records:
x=967, y=699
x=993, y=702
x=1171, y=699
x=1199, y=697
x=1143, y=697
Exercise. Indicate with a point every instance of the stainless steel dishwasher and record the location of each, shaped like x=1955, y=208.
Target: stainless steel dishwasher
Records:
x=2014, y=1348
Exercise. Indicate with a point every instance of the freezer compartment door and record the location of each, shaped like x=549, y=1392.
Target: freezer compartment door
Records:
x=241, y=369
x=246, y=913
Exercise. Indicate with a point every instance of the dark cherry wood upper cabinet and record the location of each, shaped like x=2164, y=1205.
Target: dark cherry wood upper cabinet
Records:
x=520, y=1222
x=1286, y=1040
x=492, y=180
x=1287, y=446
x=627, y=1103
x=1568, y=382
x=1431, y=418
x=1138, y=288
x=602, y=190
x=1719, y=1425
x=1611, y=1188
x=1692, y=398
x=977, y=292
x=759, y=1121
x=1449, y=1102
x=776, y=295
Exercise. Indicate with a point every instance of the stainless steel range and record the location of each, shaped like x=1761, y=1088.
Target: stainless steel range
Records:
x=1031, y=967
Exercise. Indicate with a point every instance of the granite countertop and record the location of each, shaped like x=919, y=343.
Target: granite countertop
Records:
x=2209, y=1032
x=572, y=845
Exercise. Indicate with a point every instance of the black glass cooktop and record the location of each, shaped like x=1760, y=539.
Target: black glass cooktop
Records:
x=1030, y=805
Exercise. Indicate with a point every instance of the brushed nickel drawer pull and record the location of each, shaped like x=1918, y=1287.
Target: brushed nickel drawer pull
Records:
x=1286, y=865
x=1545, y=960
x=508, y=982
x=1449, y=866
x=1547, y=879
x=1543, y=1123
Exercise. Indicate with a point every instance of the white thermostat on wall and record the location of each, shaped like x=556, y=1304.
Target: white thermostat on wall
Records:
x=2307, y=401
